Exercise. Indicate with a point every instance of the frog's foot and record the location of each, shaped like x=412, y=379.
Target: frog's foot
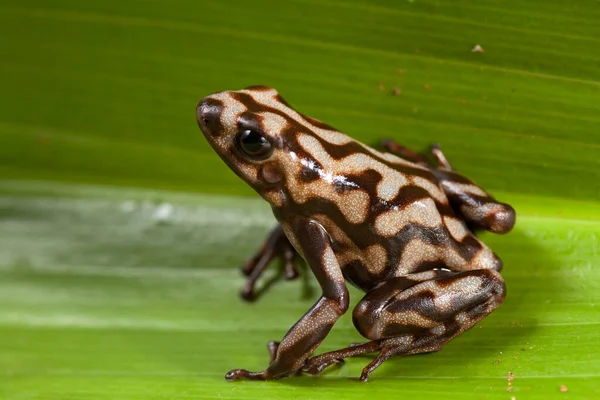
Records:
x=242, y=374
x=316, y=365
x=397, y=346
x=276, y=245
x=441, y=159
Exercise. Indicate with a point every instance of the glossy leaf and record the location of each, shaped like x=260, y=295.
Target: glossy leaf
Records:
x=112, y=292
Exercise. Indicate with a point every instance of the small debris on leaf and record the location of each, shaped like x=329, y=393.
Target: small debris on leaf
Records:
x=477, y=49
x=163, y=212
x=564, y=389
x=510, y=377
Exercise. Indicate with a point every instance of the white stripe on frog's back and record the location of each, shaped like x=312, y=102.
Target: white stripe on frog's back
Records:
x=270, y=99
x=391, y=180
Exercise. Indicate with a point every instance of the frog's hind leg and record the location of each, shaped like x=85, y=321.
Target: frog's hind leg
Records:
x=410, y=155
x=478, y=208
x=404, y=152
x=404, y=319
x=471, y=202
x=276, y=245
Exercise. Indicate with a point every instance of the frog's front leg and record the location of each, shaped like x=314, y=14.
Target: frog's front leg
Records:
x=304, y=337
x=410, y=315
x=276, y=245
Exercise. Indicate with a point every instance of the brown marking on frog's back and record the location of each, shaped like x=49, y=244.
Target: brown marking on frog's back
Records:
x=367, y=180
x=402, y=167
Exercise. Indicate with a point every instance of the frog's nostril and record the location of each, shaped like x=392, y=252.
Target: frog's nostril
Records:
x=199, y=113
x=208, y=114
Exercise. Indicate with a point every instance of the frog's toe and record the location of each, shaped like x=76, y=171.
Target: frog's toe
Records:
x=236, y=374
x=315, y=366
x=247, y=293
x=242, y=374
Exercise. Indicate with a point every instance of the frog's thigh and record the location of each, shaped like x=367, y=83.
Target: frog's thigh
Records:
x=426, y=315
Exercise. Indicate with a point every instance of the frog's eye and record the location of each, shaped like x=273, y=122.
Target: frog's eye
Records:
x=253, y=144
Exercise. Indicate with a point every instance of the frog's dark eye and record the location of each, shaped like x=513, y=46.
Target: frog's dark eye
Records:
x=253, y=144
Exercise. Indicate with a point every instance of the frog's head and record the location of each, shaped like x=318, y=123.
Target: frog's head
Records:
x=247, y=129
x=267, y=143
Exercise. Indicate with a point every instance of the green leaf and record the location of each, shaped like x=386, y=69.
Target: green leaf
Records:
x=109, y=290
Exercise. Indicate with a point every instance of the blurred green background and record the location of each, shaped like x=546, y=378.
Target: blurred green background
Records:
x=121, y=232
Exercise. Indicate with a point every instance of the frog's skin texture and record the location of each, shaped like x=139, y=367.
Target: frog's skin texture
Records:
x=392, y=224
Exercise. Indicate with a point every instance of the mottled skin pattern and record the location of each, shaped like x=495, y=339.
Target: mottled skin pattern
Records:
x=392, y=224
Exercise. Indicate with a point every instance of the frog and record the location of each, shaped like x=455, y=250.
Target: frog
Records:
x=396, y=224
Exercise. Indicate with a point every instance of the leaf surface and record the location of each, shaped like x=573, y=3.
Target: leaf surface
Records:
x=109, y=290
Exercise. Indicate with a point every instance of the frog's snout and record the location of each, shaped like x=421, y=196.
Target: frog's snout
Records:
x=208, y=114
